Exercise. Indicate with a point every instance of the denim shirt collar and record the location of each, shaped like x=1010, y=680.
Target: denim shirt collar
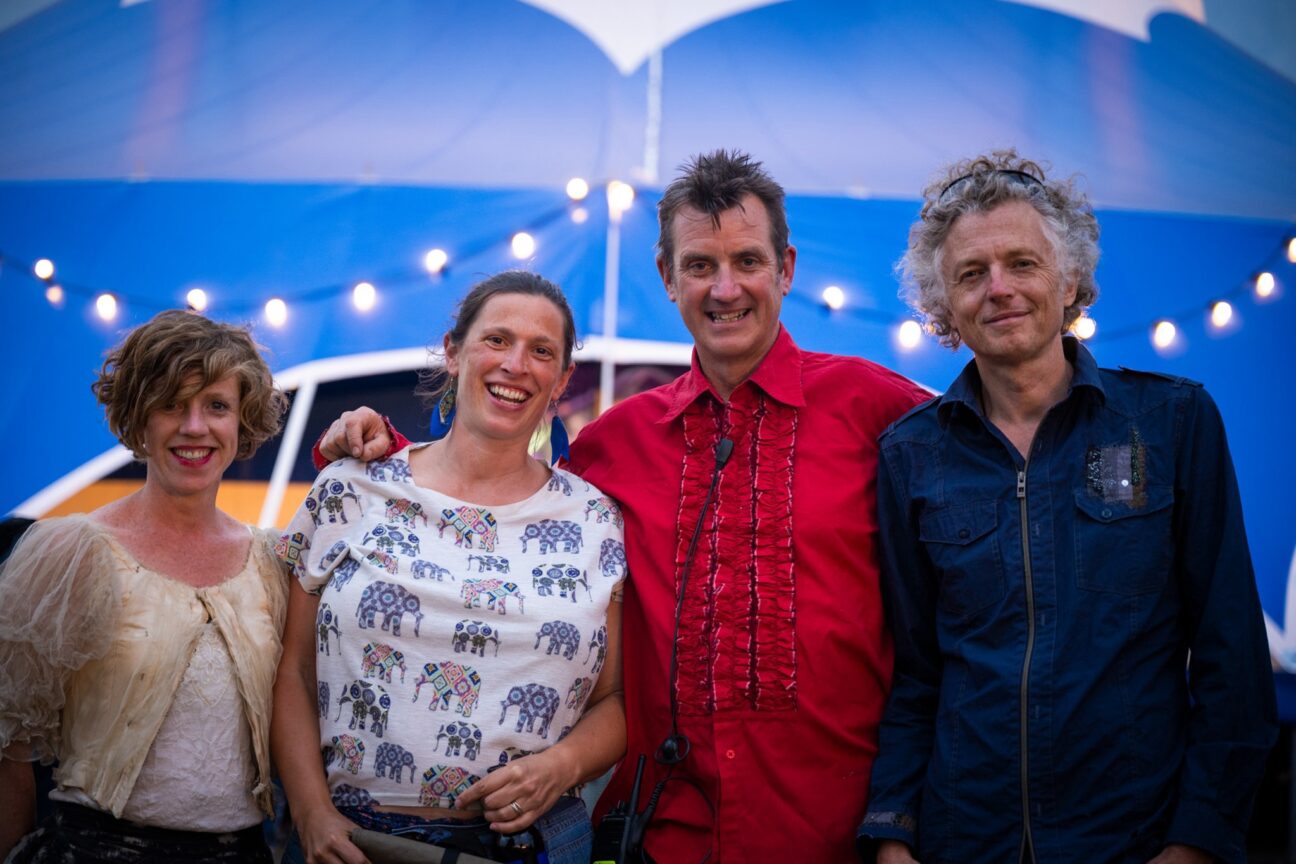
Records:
x=965, y=392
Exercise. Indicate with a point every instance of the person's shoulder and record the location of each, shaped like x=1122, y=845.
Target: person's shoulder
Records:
x=61, y=551
x=861, y=386
x=348, y=469
x=918, y=423
x=77, y=529
x=264, y=542
x=631, y=411
x=575, y=486
x=878, y=379
x=1138, y=391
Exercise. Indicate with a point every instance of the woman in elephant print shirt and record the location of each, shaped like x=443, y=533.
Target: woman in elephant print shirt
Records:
x=453, y=634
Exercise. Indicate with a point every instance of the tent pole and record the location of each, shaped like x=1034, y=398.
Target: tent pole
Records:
x=611, y=287
x=287, y=455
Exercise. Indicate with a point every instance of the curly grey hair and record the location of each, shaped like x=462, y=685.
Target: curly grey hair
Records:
x=979, y=185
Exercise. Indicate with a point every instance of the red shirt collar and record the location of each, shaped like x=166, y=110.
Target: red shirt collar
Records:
x=778, y=374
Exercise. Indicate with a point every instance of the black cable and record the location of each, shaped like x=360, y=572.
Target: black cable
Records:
x=675, y=748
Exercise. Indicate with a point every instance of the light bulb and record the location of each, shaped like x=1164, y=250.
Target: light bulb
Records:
x=276, y=312
x=435, y=260
x=364, y=296
x=909, y=335
x=524, y=245
x=834, y=297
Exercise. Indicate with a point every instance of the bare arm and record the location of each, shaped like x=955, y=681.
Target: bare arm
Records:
x=294, y=739
x=596, y=741
x=17, y=797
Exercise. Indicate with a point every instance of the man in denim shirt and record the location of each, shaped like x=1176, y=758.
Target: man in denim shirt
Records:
x=1081, y=667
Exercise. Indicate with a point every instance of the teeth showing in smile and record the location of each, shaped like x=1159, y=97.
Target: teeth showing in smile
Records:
x=508, y=394
x=196, y=453
x=728, y=317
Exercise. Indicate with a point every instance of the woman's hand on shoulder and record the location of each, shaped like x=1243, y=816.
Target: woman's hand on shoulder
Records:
x=326, y=838
x=534, y=782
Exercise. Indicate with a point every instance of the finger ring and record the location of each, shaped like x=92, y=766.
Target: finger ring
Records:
x=517, y=808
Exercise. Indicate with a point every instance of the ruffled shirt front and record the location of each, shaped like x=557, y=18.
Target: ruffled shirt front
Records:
x=94, y=646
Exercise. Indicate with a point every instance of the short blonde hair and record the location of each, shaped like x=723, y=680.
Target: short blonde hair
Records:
x=174, y=356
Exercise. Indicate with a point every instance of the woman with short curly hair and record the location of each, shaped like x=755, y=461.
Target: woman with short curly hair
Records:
x=138, y=643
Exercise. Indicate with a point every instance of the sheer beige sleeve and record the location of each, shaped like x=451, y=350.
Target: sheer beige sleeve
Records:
x=274, y=572
x=59, y=603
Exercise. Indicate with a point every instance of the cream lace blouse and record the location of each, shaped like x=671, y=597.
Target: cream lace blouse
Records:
x=93, y=648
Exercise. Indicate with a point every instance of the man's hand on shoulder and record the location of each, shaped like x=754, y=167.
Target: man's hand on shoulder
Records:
x=1177, y=853
x=361, y=433
x=894, y=852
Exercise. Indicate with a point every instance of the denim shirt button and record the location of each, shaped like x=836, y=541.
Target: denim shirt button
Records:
x=964, y=533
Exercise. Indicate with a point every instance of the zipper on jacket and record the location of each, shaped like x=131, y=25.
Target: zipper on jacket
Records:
x=1027, y=855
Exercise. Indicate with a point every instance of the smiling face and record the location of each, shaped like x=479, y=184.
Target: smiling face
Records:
x=191, y=441
x=509, y=367
x=729, y=284
x=1006, y=289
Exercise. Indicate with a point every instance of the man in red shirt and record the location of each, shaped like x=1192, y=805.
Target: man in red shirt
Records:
x=781, y=658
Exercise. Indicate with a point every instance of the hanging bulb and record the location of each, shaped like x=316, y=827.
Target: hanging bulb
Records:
x=276, y=312
x=523, y=245
x=1164, y=334
x=364, y=296
x=577, y=189
x=106, y=306
x=909, y=335
x=435, y=260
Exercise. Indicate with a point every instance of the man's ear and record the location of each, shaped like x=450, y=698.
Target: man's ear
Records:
x=789, y=269
x=664, y=270
x=1069, y=293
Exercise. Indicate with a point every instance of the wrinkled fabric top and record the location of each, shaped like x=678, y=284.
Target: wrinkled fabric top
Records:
x=784, y=660
x=93, y=647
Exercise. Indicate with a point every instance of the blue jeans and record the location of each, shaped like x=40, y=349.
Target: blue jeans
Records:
x=565, y=830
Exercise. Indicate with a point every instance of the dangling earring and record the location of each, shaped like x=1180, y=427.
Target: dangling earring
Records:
x=443, y=416
x=558, y=441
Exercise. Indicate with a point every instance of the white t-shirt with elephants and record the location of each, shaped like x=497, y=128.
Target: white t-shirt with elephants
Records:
x=451, y=637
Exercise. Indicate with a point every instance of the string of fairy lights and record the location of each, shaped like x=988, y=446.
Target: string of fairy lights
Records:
x=1163, y=332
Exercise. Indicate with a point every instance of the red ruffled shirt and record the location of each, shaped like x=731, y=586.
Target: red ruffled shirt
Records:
x=783, y=656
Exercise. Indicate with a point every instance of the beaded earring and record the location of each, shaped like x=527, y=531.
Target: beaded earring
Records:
x=443, y=416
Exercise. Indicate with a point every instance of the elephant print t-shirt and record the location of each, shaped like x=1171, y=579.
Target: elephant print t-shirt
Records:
x=451, y=637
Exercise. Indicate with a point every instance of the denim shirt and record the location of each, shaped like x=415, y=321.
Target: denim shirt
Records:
x=1045, y=612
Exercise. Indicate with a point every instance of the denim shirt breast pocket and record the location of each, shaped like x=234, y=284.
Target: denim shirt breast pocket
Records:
x=1124, y=548
x=963, y=545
